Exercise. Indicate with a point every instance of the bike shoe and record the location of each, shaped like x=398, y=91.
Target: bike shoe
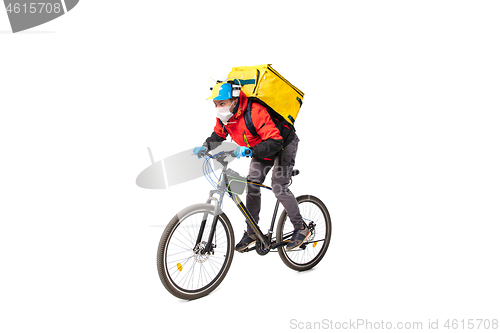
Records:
x=247, y=240
x=298, y=238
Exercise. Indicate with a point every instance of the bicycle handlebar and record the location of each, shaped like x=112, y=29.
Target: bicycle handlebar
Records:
x=219, y=156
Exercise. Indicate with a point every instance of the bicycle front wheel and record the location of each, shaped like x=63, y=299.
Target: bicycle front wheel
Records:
x=186, y=270
x=316, y=216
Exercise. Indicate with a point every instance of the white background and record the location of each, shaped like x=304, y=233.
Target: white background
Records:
x=399, y=136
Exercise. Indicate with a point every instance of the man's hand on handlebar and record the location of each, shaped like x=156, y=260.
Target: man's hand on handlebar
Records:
x=200, y=151
x=238, y=152
x=242, y=152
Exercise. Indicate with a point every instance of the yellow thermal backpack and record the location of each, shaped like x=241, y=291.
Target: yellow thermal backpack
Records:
x=264, y=84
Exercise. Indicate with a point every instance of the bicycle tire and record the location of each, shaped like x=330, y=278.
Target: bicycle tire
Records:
x=166, y=254
x=309, y=253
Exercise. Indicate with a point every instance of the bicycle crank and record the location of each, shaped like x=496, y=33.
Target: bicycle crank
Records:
x=261, y=248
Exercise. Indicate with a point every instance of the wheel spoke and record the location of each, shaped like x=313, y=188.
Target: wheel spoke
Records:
x=313, y=249
x=187, y=268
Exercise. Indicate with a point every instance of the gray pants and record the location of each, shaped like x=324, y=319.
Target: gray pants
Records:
x=279, y=182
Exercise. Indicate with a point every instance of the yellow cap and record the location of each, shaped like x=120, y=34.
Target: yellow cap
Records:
x=215, y=91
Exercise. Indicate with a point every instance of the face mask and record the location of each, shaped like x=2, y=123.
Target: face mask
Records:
x=224, y=113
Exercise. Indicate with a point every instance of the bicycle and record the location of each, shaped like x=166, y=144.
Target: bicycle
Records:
x=197, y=246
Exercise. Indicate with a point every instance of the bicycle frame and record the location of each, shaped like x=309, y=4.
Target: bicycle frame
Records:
x=265, y=240
x=193, y=258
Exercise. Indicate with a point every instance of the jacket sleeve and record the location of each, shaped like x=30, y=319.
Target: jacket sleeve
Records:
x=218, y=135
x=272, y=141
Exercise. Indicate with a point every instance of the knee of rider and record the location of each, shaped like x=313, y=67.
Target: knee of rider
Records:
x=253, y=190
x=278, y=189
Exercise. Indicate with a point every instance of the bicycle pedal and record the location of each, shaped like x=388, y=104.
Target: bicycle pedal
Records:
x=245, y=250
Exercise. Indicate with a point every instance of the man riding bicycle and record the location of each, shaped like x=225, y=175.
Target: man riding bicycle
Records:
x=273, y=147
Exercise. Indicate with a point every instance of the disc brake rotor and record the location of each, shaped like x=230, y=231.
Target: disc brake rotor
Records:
x=199, y=255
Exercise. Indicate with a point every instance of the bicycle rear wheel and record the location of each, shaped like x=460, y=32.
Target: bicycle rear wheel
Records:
x=316, y=216
x=185, y=270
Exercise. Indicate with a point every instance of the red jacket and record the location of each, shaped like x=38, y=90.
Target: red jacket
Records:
x=268, y=141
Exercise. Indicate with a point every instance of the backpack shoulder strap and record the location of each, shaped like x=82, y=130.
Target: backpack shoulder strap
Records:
x=248, y=119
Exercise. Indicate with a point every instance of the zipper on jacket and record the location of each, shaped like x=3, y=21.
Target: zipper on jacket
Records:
x=224, y=127
x=246, y=139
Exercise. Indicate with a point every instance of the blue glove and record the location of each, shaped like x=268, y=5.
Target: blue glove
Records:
x=242, y=152
x=197, y=150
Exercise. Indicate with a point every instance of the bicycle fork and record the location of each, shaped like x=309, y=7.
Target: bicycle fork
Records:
x=209, y=247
